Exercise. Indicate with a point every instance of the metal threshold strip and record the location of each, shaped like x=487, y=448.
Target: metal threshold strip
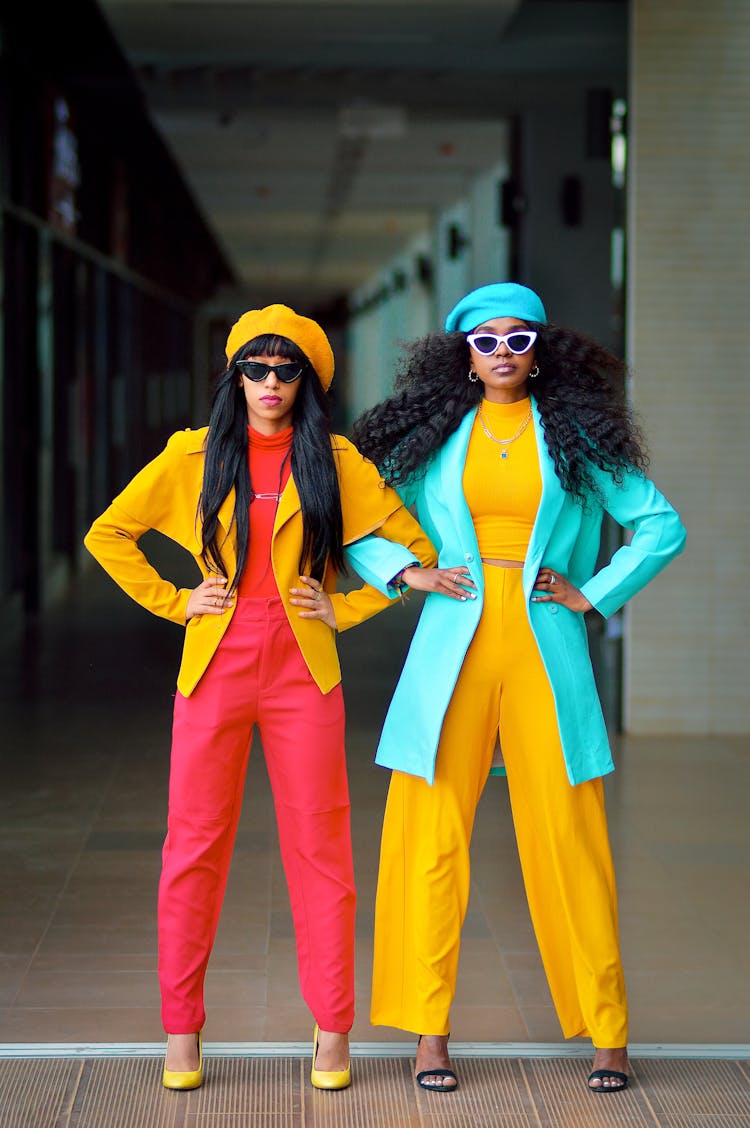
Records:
x=659, y=1050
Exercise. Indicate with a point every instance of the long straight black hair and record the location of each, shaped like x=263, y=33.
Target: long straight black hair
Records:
x=313, y=467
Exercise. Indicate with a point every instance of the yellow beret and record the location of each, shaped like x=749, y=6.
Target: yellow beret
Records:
x=280, y=319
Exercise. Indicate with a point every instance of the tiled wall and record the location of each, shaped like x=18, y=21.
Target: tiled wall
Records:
x=688, y=667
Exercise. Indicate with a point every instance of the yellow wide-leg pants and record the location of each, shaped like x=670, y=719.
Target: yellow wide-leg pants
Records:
x=561, y=831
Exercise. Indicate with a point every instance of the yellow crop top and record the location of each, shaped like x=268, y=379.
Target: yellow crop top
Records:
x=503, y=493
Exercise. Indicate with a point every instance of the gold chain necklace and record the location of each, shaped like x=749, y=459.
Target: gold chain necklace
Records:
x=505, y=443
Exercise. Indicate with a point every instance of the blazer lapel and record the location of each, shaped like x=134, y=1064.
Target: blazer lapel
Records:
x=452, y=459
x=196, y=445
x=289, y=504
x=226, y=511
x=553, y=496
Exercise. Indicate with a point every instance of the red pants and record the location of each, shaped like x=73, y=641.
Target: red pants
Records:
x=258, y=677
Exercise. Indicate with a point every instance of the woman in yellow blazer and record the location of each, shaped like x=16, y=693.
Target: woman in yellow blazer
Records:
x=265, y=499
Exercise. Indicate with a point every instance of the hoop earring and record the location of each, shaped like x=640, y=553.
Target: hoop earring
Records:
x=534, y=372
x=473, y=376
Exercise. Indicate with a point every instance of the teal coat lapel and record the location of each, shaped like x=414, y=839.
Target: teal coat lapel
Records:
x=550, y=505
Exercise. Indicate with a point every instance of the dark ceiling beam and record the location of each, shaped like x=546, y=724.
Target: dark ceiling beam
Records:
x=443, y=94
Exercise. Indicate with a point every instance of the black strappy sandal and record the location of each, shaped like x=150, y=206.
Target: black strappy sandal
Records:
x=600, y=1074
x=436, y=1073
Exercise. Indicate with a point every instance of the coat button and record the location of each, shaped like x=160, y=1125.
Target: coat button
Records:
x=468, y=557
x=553, y=608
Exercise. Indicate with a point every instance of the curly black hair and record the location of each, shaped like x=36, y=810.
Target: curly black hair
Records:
x=579, y=390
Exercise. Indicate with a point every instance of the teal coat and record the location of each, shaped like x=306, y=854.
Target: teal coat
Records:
x=566, y=538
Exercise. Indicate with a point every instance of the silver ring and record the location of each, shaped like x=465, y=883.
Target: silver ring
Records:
x=317, y=594
x=455, y=578
x=552, y=578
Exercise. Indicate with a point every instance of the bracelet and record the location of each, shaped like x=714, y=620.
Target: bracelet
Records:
x=398, y=581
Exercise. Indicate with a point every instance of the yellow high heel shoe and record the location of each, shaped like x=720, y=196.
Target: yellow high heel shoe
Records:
x=185, y=1079
x=328, y=1079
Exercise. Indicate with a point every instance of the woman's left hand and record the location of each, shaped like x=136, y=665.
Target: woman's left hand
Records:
x=315, y=600
x=558, y=589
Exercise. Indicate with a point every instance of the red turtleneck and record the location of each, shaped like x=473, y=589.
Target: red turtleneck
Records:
x=266, y=454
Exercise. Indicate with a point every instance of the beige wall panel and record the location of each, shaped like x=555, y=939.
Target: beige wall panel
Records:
x=687, y=660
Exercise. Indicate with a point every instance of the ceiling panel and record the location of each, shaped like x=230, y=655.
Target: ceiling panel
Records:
x=318, y=138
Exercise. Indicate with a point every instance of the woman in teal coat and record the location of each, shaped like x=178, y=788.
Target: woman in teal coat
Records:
x=510, y=438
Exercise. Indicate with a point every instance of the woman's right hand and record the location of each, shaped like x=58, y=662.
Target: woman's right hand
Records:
x=209, y=598
x=454, y=582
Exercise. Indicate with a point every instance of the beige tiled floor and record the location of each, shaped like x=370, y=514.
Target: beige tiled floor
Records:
x=86, y=703
x=493, y=1092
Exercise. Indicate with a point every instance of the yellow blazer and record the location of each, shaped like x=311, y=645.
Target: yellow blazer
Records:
x=164, y=496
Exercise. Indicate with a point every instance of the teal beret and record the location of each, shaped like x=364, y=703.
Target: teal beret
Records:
x=500, y=299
